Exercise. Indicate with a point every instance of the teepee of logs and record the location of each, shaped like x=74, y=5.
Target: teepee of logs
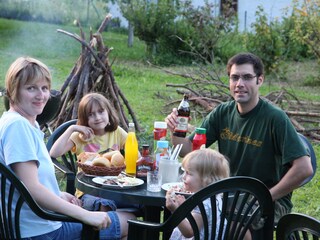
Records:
x=92, y=73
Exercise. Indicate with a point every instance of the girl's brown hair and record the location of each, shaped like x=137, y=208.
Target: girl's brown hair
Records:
x=92, y=99
x=211, y=165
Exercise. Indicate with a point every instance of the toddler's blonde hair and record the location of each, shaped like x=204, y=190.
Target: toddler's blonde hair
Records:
x=211, y=165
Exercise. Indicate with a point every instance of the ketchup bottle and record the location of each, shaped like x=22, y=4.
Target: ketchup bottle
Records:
x=200, y=139
x=159, y=133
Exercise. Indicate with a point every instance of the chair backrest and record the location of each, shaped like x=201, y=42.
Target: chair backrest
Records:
x=295, y=226
x=313, y=158
x=11, y=188
x=50, y=110
x=69, y=160
x=244, y=199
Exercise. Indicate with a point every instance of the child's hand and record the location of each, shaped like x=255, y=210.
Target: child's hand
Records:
x=86, y=133
x=173, y=201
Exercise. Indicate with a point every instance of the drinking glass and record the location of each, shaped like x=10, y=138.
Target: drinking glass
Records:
x=154, y=181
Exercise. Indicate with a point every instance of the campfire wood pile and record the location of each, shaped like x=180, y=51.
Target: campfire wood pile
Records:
x=305, y=116
x=92, y=73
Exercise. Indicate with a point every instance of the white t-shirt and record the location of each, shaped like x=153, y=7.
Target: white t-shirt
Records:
x=177, y=235
x=21, y=142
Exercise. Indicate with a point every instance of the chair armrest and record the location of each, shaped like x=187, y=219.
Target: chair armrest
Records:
x=70, y=175
x=88, y=232
x=137, y=229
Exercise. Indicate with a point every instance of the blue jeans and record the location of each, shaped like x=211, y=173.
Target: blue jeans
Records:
x=72, y=231
x=93, y=203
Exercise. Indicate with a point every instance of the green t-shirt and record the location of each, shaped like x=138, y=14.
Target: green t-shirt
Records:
x=260, y=144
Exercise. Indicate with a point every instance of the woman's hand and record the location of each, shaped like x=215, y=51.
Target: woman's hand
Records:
x=100, y=220
x=70, y=198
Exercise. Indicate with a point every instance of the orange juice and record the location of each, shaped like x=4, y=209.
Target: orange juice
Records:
x=131, y=151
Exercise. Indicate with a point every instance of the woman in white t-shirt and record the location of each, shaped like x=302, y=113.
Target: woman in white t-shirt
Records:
x=22, y=148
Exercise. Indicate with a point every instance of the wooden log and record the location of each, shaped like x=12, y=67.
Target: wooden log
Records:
x=304, y=114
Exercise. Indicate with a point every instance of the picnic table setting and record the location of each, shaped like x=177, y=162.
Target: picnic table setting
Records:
x=109, y=169
x=105, y=175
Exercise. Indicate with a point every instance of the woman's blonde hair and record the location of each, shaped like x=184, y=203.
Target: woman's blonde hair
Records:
x=211, y=165
x=92, y=99
x=24, y=70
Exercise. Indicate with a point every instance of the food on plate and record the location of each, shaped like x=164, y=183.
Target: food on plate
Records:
x=117, y=160
x=122, y=181
x=110, y=154
x=101, y=162
x=87, y=156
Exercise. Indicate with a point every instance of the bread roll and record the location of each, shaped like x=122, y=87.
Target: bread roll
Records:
x=82, y=137
x=117, y=160
x=110, y=154
x=101, y=161
x=87, y=156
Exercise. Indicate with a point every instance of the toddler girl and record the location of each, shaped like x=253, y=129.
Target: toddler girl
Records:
x=201, y=168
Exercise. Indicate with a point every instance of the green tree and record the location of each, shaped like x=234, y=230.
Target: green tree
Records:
x=151, y=19
x=266, y=42
x=307, y=28
x=307, y=24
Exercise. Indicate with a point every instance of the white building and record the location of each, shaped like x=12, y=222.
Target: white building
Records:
x=274, y=9
x=246, y=9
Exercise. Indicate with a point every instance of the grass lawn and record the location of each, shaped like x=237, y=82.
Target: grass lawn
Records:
x=144, y=86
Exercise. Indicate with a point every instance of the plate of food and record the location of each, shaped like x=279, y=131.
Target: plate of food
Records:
x=118, y=182
x=178, y=188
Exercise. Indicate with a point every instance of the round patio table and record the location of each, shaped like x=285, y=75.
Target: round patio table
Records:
x=153, y=202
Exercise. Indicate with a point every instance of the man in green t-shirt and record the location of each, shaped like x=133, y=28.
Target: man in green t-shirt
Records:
x=256, y=136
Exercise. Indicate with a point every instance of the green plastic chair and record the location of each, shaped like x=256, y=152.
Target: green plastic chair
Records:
x=68, y=163
x=239, y=195
x=313, y=157
x=296, y=226
x=11, y=186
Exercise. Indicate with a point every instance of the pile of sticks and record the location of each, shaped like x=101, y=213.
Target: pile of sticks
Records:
x=92, y=73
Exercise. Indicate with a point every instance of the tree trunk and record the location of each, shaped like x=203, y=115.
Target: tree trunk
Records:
x=130, y=35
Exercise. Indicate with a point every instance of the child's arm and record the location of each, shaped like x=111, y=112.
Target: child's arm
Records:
x=185, y=227
x=173, y=201
x=63, y=144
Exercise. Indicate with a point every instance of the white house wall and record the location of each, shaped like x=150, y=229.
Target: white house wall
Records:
x=247, y=9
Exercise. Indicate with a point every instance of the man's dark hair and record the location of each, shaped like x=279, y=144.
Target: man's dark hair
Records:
x=243, y=58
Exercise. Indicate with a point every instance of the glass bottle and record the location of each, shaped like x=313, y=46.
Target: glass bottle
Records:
x=159, y=133
x=183, y=117
x=200, y=139
x=145, y=163
x=161, y=152
x=131, y=151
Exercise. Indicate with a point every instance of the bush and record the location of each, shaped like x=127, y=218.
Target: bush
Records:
x=265, y=41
